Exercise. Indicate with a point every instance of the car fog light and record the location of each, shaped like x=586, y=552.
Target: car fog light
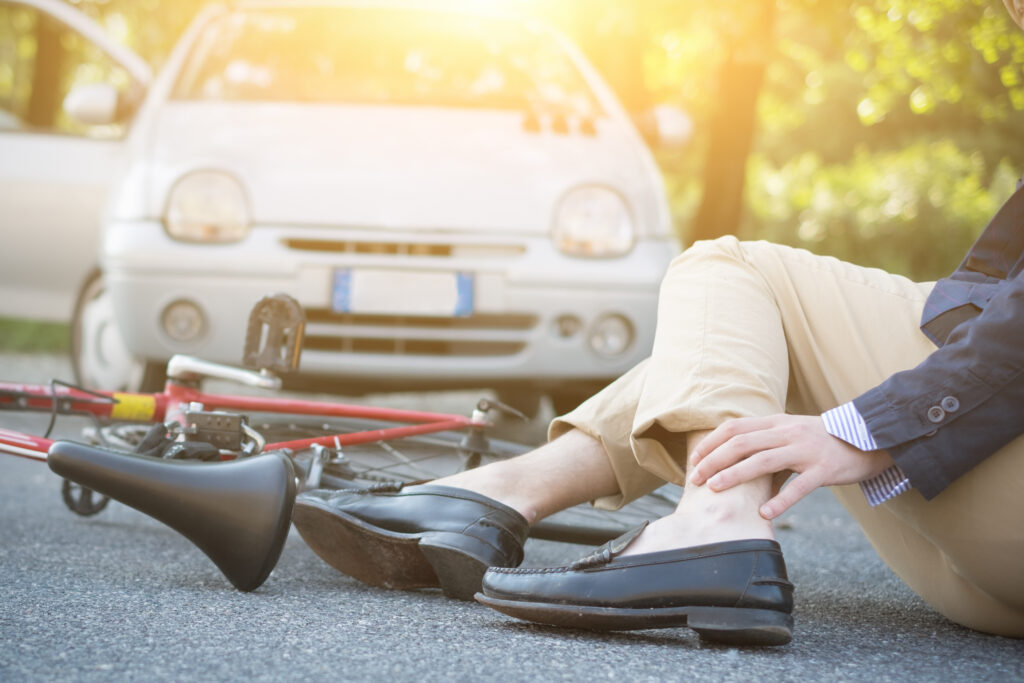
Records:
x=611, y=335
x=183, y=321
x=567, y=326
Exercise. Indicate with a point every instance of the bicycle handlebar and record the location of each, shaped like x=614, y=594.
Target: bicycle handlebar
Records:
x=189, y=368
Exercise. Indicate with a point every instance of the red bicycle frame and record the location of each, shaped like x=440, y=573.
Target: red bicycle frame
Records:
x=61, y=399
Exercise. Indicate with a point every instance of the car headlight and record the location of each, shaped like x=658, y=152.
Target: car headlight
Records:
x=593, y=221
x=207, y=206
x=611, y=336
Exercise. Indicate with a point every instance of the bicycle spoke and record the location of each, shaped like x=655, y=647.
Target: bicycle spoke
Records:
x=416, y=457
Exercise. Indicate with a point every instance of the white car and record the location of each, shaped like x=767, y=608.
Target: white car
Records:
x=55, y=171
x=456, y=198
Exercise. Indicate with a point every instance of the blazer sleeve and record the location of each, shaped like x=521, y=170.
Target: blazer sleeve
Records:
x=963, y=403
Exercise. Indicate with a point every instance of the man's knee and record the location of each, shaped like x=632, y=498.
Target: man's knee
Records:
x=704, y=257
x=727, y=246
x=729, y=250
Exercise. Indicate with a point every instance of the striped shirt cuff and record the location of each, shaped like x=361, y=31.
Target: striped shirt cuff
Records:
x=845, y=422
x=889, y=484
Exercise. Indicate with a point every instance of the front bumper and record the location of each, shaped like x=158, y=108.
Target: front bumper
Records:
x=533, y=308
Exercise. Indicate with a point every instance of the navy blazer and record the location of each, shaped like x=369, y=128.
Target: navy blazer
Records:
x=966, y=400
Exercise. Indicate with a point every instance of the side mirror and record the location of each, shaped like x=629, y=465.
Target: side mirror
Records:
x=8, y=121
x=94, y=104
x=666, y=126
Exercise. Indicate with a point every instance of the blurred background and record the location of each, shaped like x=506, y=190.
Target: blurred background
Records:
x=884, y=132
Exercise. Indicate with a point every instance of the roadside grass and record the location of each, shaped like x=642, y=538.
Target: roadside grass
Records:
x=30, y=336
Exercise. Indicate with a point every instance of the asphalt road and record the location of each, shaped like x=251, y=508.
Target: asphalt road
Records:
x=120, y=596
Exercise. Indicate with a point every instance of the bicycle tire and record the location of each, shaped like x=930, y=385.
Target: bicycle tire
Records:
x=432, y=456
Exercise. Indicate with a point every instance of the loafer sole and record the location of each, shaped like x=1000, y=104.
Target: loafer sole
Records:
x=732, y=625
x=389, y=559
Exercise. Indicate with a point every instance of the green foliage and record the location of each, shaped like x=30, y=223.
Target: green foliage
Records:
x=889, y=130
x=923, y=56
x=31, y=336
x=149, y=27
x=914, y=210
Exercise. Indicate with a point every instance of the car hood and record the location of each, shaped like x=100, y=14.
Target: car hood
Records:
x=394, y=167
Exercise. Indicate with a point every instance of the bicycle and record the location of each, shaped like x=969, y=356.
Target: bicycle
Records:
x=198, y=461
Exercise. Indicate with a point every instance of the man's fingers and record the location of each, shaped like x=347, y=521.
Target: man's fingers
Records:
x=738, y=448
x=789, y=495
x=726, y=431
x=764, y=462
x=745, y=449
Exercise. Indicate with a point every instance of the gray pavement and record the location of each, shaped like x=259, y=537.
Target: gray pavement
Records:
x=121, y=597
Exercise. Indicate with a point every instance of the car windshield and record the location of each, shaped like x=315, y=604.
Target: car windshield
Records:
x=383, y=56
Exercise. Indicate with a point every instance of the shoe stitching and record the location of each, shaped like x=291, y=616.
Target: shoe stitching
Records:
x=513, y=557
x=519, y=529
x=489, y=521
x=515, y=519
x=609, y=550
x=600, y=558
x=750, y=580
x=473, y=497
x=504, y=555
x=625, y=561
x=529, y=570
x=382, y=487
x=510, y=524
x=624, y=564
x=773, y=581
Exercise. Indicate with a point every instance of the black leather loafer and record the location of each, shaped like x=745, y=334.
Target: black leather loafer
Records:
x=735, y=592
x=414, y=537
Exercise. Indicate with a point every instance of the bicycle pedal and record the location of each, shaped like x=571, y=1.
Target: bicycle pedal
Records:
x=273, y=338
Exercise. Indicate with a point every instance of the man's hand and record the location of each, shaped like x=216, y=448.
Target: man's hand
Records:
x=747, y=448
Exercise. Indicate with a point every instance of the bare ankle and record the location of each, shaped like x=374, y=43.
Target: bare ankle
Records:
x=704, y=516
x=683, y=530
x=571, y=470
x=490, y=481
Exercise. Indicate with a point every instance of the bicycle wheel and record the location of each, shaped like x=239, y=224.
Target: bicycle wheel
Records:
x=432, y=456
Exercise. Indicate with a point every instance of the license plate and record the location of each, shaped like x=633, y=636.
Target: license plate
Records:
x=401, y=292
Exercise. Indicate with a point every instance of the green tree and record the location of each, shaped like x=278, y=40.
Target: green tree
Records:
x=886, y=130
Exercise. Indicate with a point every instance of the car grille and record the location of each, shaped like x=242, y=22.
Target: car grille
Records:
x=405, y=248
x=475, y=335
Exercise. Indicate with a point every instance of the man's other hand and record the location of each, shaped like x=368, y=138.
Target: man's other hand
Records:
x=746, y=448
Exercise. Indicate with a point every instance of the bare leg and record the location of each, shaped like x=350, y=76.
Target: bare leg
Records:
x=705, y=516
x=574, y=469
x=570, y=470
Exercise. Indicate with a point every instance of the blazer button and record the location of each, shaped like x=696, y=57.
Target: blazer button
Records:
x=936, y=414
x=950, y=404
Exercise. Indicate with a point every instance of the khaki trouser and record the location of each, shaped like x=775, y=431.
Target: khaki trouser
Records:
x=755, y=328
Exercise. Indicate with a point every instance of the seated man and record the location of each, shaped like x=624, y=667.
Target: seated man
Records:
x=907, y=399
